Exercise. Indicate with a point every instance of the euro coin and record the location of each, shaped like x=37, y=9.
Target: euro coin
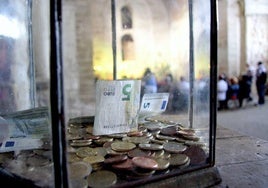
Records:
x=85, y=152
x=115, y=159
x=178, y=159
x=102, y=178
x=174, y=147
x=122, y=146
x=162, y=163
x=79, y=170
x=125, y=165
x=145, y=162
x=137, y=152
x=94, y=159
x=153, y=147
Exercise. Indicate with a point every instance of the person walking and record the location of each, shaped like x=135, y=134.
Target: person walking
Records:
x=222, y=87
x=261, y=77
x=149, y=82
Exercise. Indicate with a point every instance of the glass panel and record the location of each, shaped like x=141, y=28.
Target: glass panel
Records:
x=169, y=52
x=25, y=138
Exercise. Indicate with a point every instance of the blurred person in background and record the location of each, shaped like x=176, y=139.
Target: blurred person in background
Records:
x=222, y=87
x=149, y=82
x=261, y=77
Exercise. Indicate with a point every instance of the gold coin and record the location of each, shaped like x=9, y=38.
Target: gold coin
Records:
x=80, y=144
x=178, y=159
x=81, y=140
x=94, y=159
x=72, y=157
x=79, y=170
x=102, y=140
x=122, y=146
x=162, y=163
x=136, y=140
x=73, y=137
x=153, y=147
x=159, y=154
x=101, y=151
x=85, y=152
x=166, y=155
x=102, y=178
x=112, y=152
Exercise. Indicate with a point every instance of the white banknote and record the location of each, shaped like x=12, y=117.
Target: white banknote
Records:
x=117, y=106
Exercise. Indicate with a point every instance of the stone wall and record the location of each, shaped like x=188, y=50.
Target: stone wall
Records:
x=242, y=35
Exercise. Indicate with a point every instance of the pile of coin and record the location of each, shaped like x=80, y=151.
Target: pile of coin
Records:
x=157, y=147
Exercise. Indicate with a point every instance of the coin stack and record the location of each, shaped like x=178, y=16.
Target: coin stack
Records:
x=157, y=147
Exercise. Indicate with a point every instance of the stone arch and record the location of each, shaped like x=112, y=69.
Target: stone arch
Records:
x=126, y=17
x=127, y=44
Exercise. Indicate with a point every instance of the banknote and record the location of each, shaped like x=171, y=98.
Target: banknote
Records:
x=24, y=129
x=117, y=106
x=153, y=104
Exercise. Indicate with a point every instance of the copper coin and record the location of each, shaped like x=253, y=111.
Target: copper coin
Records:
x=125, y=165
x=138, y=153
x=196, y=154
x=145, y=162
x=115, y=159
x=135, y=133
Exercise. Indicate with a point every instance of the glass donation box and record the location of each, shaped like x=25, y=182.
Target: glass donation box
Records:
x=106, y=93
